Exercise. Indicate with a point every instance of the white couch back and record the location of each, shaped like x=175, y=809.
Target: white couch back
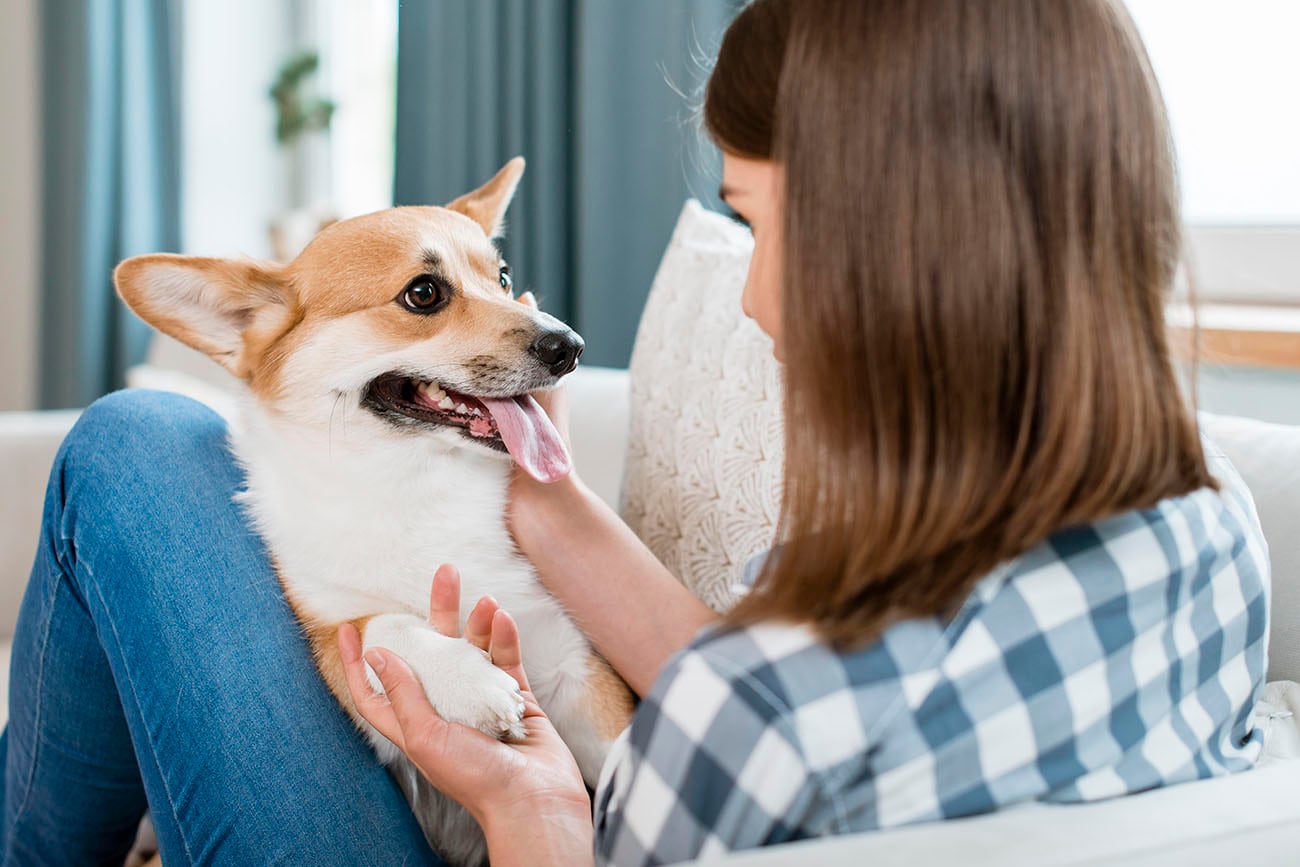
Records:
x=1268, y=458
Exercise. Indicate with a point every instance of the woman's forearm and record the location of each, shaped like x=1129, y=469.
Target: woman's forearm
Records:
x=633, y=609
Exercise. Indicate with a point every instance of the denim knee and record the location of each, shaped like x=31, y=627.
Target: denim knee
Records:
x=129, y=431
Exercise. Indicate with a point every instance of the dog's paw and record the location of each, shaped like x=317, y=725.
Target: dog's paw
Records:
x=460, y=681
x=472, y=691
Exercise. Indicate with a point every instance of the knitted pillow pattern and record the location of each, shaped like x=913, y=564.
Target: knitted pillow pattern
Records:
x=703, y=474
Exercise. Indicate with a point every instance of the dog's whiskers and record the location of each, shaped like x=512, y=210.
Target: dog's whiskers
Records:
x=338, y=396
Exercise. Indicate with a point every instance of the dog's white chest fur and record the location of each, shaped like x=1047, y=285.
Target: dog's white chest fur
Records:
x=357, y=529
x=353, y=525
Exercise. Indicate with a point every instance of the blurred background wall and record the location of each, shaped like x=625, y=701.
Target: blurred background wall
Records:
x=19, y=201
x=429, y=97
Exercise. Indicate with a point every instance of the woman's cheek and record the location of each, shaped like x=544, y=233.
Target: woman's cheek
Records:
x=747, y=294
x=763, y=295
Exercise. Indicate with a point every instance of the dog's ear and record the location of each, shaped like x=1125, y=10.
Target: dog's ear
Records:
x=487, y=205
x=218, y=306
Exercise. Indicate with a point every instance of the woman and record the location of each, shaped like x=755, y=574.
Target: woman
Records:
x=1007, y=572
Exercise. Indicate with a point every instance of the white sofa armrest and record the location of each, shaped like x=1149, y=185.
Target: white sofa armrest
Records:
x=598, y=418
x=28, y=443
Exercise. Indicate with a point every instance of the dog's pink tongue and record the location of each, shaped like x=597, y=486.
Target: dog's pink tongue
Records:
x=530, y=437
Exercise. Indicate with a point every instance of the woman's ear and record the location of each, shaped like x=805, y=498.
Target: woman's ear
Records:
x=487, y=205
x=212, y=305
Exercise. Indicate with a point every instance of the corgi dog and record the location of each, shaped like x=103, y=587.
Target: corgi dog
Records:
x=389, y=368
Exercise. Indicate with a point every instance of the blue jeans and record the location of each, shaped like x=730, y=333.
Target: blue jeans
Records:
x=156, y=661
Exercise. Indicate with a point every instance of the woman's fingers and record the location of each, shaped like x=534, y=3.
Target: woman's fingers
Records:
x=506, y=652
x=370, y=704
x=528, y=299
x=444, y=601
x=478, y=626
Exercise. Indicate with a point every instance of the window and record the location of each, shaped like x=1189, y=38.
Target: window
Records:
x=1229, y=72
x=358, y=45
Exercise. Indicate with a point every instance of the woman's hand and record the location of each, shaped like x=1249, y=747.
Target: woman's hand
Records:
x=529, y=796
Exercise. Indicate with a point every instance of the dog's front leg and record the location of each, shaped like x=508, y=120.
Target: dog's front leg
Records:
x=461, y=682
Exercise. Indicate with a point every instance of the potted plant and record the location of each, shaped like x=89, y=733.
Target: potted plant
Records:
x=302, y=123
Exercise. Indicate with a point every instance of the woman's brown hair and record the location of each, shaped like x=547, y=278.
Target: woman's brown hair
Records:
x=981, y=224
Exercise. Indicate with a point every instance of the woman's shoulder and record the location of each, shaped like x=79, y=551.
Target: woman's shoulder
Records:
x=791, y=660
x=820, y=699
x=1204, y=531
x=1123, y=575
x=757, y=664
x=794, y=664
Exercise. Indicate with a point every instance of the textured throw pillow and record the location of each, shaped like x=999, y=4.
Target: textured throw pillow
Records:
x=703, y=474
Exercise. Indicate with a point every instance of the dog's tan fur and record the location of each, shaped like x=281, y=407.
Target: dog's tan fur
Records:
x=612, y=701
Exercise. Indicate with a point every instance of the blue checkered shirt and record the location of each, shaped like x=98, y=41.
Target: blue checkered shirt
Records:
x=1115, y=657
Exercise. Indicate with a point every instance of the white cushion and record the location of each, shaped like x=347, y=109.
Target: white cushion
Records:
x=598, y=412
x=169, y=354
x=173, y=366
x=1276, y=713
x=1268, y=458
x=703, y=476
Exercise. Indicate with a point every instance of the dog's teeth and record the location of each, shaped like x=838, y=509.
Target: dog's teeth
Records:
x=445, y=403
x=437, y=393
x=462, y=409
x=477, y=411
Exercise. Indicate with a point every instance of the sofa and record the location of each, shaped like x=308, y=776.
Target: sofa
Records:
x=650, y=443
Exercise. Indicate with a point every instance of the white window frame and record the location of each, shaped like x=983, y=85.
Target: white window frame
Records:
x=357, y=45
x=1231, y=260
x=1245, y=265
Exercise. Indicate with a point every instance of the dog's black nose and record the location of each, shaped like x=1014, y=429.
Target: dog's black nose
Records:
x=558, y=350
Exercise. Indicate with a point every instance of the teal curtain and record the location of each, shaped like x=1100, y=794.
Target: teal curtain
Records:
x=598, y=95
x=110, y=184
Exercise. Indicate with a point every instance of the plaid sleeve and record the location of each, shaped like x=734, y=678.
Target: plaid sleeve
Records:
x=710, y=763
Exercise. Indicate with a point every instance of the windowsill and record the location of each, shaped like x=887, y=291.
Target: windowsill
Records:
x=1239, y=335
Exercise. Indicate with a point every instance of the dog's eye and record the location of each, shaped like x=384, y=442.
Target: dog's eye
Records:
x=506, y=282
x=425, y=295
